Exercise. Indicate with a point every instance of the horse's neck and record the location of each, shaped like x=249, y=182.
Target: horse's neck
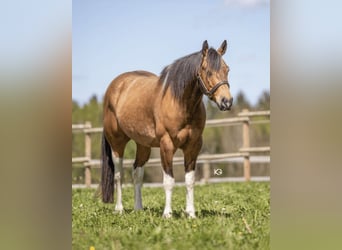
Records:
x=183, y=109
x=192, y=99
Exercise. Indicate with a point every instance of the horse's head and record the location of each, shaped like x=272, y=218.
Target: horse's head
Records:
x=213, y=76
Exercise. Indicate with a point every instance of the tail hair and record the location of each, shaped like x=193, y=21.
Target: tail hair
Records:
x=107, y=172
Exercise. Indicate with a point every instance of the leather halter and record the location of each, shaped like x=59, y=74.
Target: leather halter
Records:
x=210, y=92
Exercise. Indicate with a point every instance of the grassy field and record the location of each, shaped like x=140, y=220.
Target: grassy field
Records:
x=229, y=216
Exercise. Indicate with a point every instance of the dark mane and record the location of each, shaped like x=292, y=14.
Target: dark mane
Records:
x=183, y=71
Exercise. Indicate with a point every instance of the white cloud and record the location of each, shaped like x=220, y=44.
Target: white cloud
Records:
x=246, y=3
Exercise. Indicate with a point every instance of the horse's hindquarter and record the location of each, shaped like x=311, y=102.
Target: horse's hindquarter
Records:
x=132, y=96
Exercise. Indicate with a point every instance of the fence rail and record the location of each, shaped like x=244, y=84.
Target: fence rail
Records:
x=244, y=153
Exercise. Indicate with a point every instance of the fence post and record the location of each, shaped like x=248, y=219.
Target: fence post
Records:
x=246, y=144
x=87, y=172
x=206, y=172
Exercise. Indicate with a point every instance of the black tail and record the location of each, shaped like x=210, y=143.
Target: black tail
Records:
x=107, y=172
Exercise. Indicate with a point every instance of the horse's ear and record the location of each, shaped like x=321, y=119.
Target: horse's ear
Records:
x=223, y=48
x=205, y=47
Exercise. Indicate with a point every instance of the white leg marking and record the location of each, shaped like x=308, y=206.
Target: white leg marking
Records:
x=138, y=175
x=190, y=183
x=168, y=183
x=117, y=177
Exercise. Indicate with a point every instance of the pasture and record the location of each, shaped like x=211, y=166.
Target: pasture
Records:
x=229, y=216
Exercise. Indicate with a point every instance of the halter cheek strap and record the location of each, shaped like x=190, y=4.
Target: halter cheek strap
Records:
x=210, y=92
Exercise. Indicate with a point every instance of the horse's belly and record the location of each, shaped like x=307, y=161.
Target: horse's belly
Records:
x=141, y=133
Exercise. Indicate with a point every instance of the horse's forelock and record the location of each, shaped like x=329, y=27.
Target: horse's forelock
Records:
x=214, y=59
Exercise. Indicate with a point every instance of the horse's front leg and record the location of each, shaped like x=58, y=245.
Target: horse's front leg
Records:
x=191, y=152
x=167, y=150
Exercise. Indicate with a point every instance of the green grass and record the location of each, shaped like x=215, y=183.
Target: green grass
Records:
x=220, y=209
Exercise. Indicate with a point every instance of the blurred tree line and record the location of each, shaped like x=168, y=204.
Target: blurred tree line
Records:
x=216, y=139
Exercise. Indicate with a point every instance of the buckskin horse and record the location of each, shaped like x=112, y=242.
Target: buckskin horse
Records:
x=166, y=112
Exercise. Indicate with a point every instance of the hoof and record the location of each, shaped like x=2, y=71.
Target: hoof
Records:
x=138, y=208
x=118, y=209
x=167, y=215
x=191, y=215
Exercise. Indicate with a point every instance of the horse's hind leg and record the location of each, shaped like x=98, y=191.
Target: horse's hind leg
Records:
x=118, y=144
x=142, y=156
x=118, y=161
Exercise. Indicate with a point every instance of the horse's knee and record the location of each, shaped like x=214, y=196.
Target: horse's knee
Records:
x=118, y=168
x=117, y=176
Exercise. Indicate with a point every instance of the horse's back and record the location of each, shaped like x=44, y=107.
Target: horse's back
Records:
x=128, y=84
x=124, y=80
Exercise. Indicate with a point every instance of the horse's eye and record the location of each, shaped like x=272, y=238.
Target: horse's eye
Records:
x=209, y=73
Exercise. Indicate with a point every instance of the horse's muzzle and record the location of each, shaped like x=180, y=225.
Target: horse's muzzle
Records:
x=225, y=104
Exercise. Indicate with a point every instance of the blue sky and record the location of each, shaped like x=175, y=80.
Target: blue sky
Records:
x=112, y=37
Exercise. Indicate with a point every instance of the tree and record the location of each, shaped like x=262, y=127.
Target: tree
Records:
x=241, y=102
x=264, y=101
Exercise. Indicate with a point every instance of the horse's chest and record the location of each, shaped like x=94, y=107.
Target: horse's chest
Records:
x=183, y=136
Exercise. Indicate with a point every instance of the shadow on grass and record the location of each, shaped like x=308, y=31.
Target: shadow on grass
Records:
x=181, y=214
x=204, y=213
x=158, y=211
x=176, y=214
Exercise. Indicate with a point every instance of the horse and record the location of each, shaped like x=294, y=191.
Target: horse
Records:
x=165, y=112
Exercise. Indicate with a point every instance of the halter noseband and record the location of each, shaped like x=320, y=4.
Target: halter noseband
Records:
x=211, y=92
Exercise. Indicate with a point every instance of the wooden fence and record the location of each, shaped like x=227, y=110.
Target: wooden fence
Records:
x=243, y=118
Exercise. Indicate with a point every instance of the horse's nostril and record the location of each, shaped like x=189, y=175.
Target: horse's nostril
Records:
x=224, y=100
x=226, y=103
